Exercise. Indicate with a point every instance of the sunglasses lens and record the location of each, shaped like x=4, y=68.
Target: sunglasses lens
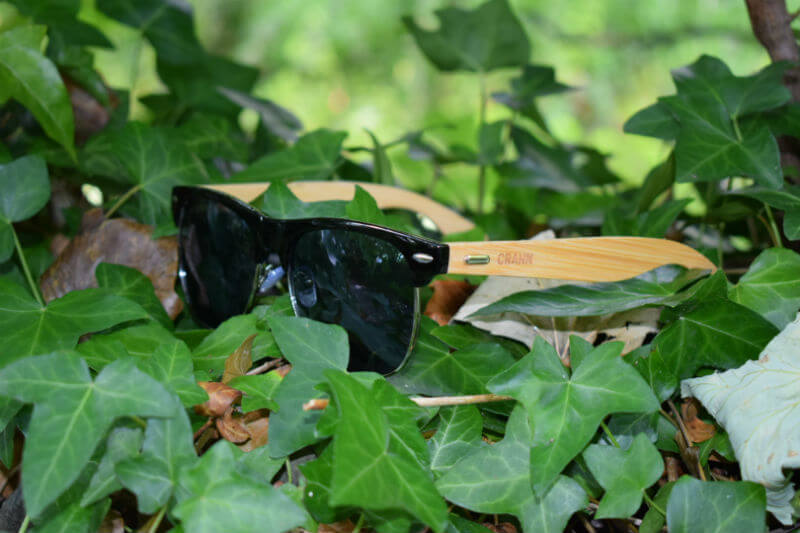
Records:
x=361, y=283
x=217, y=261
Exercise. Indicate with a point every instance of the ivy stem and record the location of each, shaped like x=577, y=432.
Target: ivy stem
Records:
x=24, y=527
x=652, y=504
x=289, y=471
x=609, y=434
x=122, y=199
x=776, y=235
x=736, y=128
x=154, y=526
x=359, y=523
x=34, y=287
x=482, y=122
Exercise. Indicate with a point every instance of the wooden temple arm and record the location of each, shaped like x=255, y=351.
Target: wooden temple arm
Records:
x=579, y=259
x=386, y=196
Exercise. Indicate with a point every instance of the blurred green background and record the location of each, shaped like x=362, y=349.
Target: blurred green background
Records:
x=350, y=65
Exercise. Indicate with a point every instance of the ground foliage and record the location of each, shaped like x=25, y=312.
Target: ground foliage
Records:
x=112, y=409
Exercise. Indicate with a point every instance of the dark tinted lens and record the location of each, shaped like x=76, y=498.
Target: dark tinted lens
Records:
x=362, y=283
x=217, y=261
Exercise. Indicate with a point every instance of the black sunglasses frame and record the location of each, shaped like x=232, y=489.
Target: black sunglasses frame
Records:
x=425, y=258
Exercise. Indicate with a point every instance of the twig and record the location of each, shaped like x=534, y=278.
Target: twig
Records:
x=436, y=401
x=202, y=429
x=686, y=438
x=269, y=365
x=11, y=473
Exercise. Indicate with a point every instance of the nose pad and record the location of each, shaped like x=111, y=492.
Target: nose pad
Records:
x=304, y=287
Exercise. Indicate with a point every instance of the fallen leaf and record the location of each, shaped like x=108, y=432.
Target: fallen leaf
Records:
x=257, y=424
x=90, y=115
x=343, y=526
x=239, y=362
x=119, y=241
x=231, y=427
x=448, y=297
x=220, y=398
x=699, y=431
x=502, y=527
x=757, y=405
x=114, y=523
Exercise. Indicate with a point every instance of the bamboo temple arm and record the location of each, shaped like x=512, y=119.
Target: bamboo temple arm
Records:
x=387, y=197
x=579, y=259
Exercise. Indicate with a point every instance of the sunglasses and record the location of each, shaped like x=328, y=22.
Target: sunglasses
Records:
x=363, y=277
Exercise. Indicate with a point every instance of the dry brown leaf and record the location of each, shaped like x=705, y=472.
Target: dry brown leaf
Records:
x=343, y=526
x=220, y=398
x=502, y=527
x=257, y=424
x=230, y=427
x=239, y=362
x=114, y=523
x=120, y=241
x=448, y=297
x=283, y=370
x=698, y=430
x=90, y=115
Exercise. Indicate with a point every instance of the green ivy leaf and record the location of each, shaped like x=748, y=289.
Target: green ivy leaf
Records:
x=718, y=334
x=381, y=166
x=24, y=191
x=484, y=39
x=364, y=208
x=315, y=156
x=653, y=121
x=280, y=202
x=169, y=28
x=787, y=199
x=464, y=335
x=33, y=80
x=278, y=120
x=312, y=348
x=155, y=162
x=140, y=341
x=590, y=299
x=259, y=390
x=367, y=470
x=716, y=507
x=123, y=443
x=171, y=365
x=771, y=286
x=566, y=410
x=210, y=355
x=131, y=284
x=33, y=329
x=211, y=136
x=496, y=479
x=74, y=518
x=653, y=520
x=221, y=499
x=653, y=223
x=433, y=370
x=68, y=404
x=457, y=435
x=168, y=447
x=624, y=474
x=535, y=81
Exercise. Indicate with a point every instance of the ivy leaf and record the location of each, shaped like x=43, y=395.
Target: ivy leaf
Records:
x=221, y=499
x=131, y=284
x=33, y=329
x=364, y=208
x=24, y=190
x=278, y=120
x=212, y=136
x=155, y=163
x=535, y=81
x=787, y=199
x=152, y=475
x=652, y=223
x=715, y=507
x=457, y=435
x=171, y=365
x=312, y=348
x=566, y=410
x=484, y=39
x=624, y=474
x=315, y=156
x=33, y=80
x=68, y=404
x=508, y=488
x=259, y=390
x=718, y=333
x=589, y=299
x=280, y=202
x=210, y=355
x=381, y=166
x=653, y=121
x=771, y=286
x=433, y=370
x=366, y=472
x=169, y=28
x=123, y=443
x=140, y=341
